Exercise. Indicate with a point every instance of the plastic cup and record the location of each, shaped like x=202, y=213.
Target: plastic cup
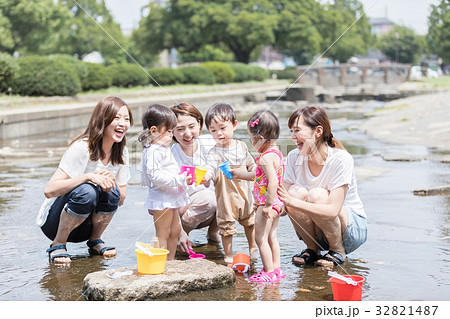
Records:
x=346, y=292
x=154, y=265
x=225, y=168
x=199, y=174
x=190, y=171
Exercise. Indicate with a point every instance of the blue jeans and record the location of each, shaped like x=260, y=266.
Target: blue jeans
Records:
x=81, y=202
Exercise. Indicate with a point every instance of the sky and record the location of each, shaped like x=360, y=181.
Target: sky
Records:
x=410, y=13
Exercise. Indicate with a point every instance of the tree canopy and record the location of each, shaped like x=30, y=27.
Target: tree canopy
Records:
x=29, y=26
x=402, y=45
x=439, y=30
x=301, y=28
x=48, y=26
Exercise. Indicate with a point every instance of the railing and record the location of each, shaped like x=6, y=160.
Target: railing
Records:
x=353, y=74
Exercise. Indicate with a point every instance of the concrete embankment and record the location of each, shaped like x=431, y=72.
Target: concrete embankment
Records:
x=69, y=115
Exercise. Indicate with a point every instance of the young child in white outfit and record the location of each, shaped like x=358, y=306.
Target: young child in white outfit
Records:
x=167, y=189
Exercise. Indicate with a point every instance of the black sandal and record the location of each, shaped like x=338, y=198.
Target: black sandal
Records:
x=335, y=257
x=52, y=258
x=309, y=259
x=100, y=252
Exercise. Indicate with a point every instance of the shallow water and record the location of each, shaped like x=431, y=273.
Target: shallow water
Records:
x=405, y=258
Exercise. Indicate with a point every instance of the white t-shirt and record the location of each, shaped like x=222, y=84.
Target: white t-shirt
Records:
x=200, y=158
x=160, y=173
x=338, y=170
x=75, y=162
x=236, y=155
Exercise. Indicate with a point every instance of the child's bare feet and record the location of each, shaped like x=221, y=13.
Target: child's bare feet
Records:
x=253, y=255
x=228, y=259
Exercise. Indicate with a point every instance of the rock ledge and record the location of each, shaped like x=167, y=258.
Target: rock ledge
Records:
x=179, y=277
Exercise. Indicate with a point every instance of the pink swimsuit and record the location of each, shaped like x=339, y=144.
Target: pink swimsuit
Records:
x=261, y=182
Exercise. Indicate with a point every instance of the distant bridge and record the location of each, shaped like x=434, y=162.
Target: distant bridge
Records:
x=353, y=74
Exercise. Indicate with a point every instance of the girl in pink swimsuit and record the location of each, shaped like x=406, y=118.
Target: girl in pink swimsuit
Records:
x=264, y=129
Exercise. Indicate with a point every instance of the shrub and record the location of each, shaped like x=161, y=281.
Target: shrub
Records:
x=127, y=75
x=8, y=69
x=78, y=65
x=289, y=73
x=242, y=71
x=97, y=77
x=223, y=72
x=196, y=74
x=257, y=73
x=39, y=75
x=165, y=76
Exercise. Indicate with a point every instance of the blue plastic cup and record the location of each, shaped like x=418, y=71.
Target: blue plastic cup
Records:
x=225, y=168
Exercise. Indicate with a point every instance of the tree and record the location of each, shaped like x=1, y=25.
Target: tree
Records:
x=83, y=35
x=6, y=39
x=438, y=37
x=402, y=45
x=242, y=26
x=28, y=26
x=342, y=19
x=302, y=28
x=150, y=37
x=297, y=33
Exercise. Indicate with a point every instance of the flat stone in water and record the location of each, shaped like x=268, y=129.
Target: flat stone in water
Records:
x=439, y=190
x=179, y=277
x=4, y=189
x=398, y=157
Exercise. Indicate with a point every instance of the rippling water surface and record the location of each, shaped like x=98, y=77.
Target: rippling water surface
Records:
x=405, y=258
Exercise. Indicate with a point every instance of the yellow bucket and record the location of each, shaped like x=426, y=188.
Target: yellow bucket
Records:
x=154, y=265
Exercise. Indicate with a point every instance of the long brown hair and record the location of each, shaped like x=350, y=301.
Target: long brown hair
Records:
x=315, y=116
x=103, y=114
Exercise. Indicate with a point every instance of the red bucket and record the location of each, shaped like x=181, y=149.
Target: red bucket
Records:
x=347, y=292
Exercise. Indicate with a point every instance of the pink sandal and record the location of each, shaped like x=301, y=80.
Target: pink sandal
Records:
x=262, y=276
x=279, y=274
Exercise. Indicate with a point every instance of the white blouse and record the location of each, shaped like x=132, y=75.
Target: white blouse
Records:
x=160, y=173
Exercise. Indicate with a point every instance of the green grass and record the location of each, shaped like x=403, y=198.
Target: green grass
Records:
x=441, y=82
x=396, y=107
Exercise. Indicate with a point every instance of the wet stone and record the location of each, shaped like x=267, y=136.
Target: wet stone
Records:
x=439, y=190
x=11, y=189
x=179, y=277
x=398, y=157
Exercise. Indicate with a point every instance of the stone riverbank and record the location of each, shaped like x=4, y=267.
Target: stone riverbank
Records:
x=419, y=120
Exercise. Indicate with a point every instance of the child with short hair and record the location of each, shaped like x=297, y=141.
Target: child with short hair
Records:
x=160, y=173
x=234, y=201
x=264, y=129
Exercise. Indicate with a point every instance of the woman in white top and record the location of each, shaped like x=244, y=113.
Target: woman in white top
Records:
x=320, y=191
x=191, y=149
x=89, y=184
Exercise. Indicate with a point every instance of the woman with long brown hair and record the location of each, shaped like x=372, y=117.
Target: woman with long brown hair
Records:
x=320, y=191
x=89, y=184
